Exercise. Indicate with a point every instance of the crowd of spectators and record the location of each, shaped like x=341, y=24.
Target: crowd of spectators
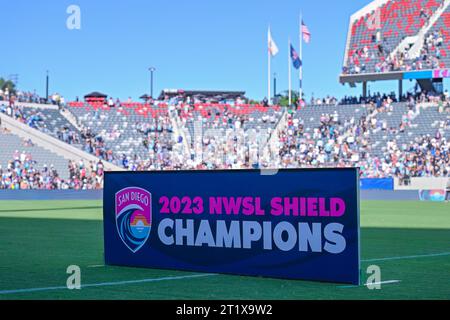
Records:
x=426, y=156
x=361, y=58
x=430, y=54
x=429, y=58
x=226, y=142
x=30, y=97
x=347, y=142
x=94, y=144
x=183, y=98
x=415, y=96
x=22, y=173
x=328, y=100
x=335, y=142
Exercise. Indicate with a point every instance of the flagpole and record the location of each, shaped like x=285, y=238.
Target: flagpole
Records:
x=268, y=78
x=300, y=92
x=268, y=69
x=289, y=72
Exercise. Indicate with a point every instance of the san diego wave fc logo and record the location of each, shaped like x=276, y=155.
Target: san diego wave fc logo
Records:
x=133, y=216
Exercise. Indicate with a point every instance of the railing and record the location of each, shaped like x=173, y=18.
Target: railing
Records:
x=69, y=116
x=273, y=137
x=32, y=105
x=178, y=130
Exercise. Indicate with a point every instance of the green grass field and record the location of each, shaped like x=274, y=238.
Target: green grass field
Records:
x=410, y=241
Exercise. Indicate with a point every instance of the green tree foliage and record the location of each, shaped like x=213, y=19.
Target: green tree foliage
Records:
x=7, y=84
x=284, y=98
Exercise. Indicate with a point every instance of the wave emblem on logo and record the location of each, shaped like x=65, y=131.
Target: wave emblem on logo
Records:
x=133, y=216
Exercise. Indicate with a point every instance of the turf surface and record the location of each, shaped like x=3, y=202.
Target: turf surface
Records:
x=410, y=241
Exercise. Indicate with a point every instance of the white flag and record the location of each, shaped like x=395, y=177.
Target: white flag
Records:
x=273, y=49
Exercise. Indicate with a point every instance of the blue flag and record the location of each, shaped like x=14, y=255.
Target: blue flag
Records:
x=295, y=58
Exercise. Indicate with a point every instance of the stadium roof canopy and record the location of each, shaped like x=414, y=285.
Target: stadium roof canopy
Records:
x=210, y=94
x=145, y=97
x=95, y=94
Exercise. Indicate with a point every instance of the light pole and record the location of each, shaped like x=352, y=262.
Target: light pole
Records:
x=274, y=85
x=46, y=89
x=152, y=70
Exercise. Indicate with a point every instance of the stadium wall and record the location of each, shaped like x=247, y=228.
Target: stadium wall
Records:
x=422, y=184
x=51, y=195
x=32, y=105
x=387, y=195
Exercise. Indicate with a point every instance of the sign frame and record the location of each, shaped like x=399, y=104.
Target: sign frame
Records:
x=130, y=261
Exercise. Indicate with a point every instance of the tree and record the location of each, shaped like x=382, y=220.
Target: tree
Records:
x=284, y=98
x=7, y=84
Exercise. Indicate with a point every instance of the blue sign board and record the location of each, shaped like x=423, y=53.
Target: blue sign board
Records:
x=427, y=74
x=295, y=224
x=377, y=184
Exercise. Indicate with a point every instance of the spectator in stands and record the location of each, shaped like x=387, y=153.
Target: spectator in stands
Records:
x=423, y=13
x=110, y=102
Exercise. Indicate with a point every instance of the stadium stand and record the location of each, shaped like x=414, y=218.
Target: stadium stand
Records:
x=378, y=139
x=51, y=122
x=128, y=135
x=435, y=51
x=14, y=148
x=383, y=137
x=376, y=35
x=24, y=165
x=228, y=136
x=141, y=136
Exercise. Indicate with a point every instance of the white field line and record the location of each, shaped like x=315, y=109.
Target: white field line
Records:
x=114, y=283
x=442, y=254
x=382, y=282
x=371, y=284
x=96, y=266
x=204, y=275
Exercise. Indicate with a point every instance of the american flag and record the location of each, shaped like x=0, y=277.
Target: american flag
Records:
x=305, y=33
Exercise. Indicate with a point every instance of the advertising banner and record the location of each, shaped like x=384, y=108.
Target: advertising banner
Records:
x=377, y=184
x=295, y=224
x=432, y=195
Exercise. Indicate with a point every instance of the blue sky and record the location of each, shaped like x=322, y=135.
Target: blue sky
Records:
x=196, y=44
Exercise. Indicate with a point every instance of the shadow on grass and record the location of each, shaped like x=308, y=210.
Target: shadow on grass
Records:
x=15, y=235
x=51, y=209
x=46, y=247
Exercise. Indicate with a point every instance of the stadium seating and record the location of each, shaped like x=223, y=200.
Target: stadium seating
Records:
x=439, y=52
x=12, y=146
x=50, y=121
x=371, y=44
x=364, y=136
x=126, y=128
x=142, y=137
